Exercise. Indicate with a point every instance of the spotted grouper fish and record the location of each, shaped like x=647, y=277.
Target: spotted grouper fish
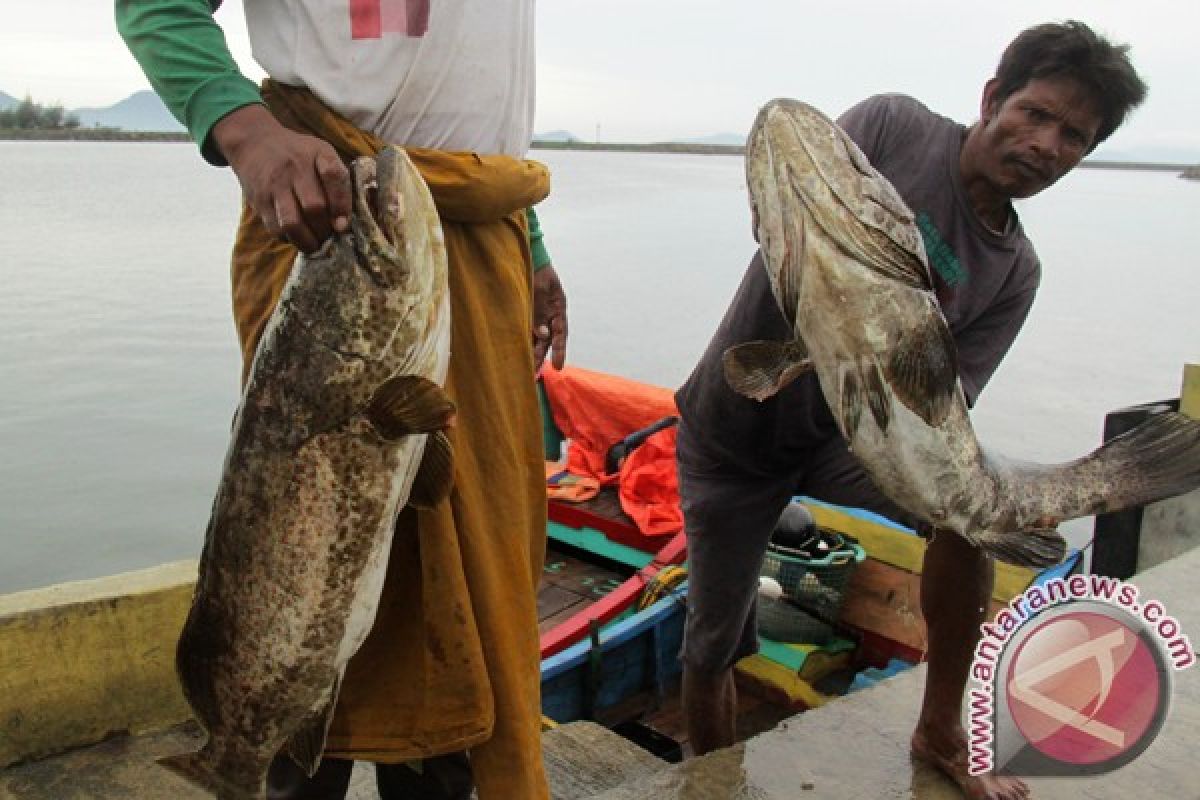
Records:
x=341, y=424
x=848, y=269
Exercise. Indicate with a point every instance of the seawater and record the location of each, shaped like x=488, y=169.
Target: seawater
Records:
x=119, y=365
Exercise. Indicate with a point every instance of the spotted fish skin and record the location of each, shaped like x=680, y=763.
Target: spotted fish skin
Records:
x=848, y=269
x=342, y=408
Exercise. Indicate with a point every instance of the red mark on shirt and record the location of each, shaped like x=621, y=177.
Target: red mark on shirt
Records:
x=371, y=19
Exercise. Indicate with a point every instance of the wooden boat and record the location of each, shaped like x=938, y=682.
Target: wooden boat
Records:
x=607, y=653
x=608, y=660
x=606, y=640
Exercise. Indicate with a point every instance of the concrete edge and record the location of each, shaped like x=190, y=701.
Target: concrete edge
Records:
x=80, y=661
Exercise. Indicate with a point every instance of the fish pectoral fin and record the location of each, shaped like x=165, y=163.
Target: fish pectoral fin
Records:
x=1036, y=547
x=923, y=371
x=435, y=476
x=308, y=742
x=759, y=369
x=409, y=404
x=865, y=387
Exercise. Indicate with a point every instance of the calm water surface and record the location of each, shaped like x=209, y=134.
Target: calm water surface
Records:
x=118, y=362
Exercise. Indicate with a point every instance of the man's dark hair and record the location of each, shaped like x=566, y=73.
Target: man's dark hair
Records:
x=1073, y=50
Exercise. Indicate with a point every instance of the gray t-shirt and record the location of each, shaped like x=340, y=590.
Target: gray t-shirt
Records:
x=985, y=283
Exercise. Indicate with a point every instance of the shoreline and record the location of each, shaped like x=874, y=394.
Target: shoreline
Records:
x=1186, y=170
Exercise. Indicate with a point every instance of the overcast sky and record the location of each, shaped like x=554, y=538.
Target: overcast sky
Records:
x=645, y=70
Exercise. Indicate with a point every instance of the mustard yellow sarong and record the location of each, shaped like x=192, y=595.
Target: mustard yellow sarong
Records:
x=452, y=662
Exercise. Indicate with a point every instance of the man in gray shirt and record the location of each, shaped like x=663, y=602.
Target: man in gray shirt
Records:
x=1059, y=90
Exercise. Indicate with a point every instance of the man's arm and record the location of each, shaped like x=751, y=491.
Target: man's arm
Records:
x=296, y=183
x=183, y=53
x=549, y=301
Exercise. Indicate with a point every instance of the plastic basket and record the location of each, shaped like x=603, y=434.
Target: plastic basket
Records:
x=815, y=585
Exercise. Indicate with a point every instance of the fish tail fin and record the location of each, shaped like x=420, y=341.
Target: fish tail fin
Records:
x=760, y=369
x=198, y=768
x=1158, y=459
x=1037, y=548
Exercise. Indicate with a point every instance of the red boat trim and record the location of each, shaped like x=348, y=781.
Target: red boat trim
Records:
x=612, y=604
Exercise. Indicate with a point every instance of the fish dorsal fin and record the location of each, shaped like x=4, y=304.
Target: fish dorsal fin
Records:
x=759, y=369
x=408, y=404
x=308, y=742
x=435, y=476
x=923, y=370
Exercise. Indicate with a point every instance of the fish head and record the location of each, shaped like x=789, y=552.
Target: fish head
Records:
x=394, y=217
x=807, y=178
x=377, y=296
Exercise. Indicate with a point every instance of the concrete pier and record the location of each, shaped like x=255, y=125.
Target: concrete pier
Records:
x=857, y=747
x=854, y=747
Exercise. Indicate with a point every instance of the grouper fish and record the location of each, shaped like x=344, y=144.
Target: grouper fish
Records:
x=341, y=424
x=849, y=272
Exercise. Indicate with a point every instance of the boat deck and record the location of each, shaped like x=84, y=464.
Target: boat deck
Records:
x=569, y=584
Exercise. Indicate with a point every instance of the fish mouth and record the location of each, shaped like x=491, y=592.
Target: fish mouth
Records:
x=367, y=194
x=377, y=200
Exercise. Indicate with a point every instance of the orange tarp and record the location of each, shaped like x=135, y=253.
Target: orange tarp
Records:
x=594, y=411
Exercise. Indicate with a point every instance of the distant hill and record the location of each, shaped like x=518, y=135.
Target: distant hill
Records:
x=7, y=101
x=141, y=111
x=556, y=136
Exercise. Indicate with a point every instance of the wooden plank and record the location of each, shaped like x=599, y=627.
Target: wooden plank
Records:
x=552, y=600
x=885, y=602
x=560, y=616
x=569, y=584
x=578, y=576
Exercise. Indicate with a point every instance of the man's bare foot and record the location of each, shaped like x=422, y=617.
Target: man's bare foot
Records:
x=950, y=757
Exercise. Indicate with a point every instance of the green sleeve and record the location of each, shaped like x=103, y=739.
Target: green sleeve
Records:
x=183, y=52
x=537, y=247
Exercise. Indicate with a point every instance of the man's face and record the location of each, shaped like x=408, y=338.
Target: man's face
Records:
x=1036, y=135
